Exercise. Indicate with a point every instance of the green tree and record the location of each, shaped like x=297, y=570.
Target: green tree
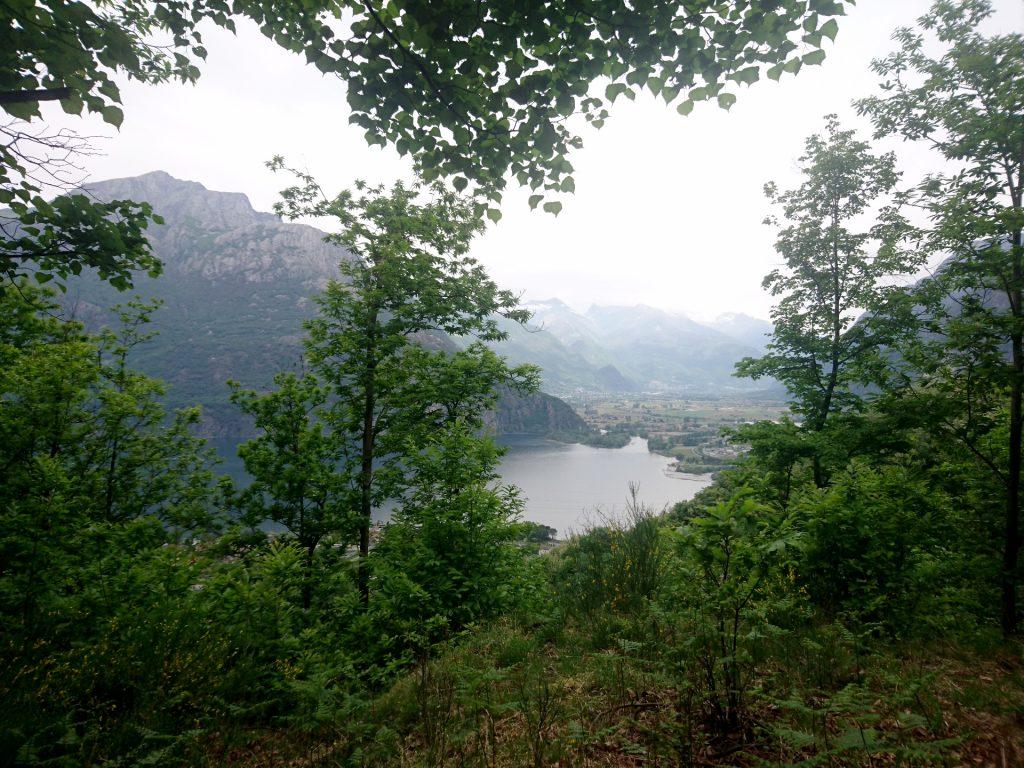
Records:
x=732, y=553
x=133, y=458
x=876, y=545
x=777, y=450
x=410, y=280
x=447, y=558
x=472, y=91
x=84, y=443
x=293, y=464
x=833, y=271
x=46, y=371
x=968, y=105
x=60, y=237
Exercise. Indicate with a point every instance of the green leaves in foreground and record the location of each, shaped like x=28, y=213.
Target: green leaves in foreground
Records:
x=479, y=92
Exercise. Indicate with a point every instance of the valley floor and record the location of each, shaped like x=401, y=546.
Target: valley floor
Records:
x=689, y=430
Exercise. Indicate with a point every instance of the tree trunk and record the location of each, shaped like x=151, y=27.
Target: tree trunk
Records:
x=1011, y=542
x=366, y=469
x=108, y=502
x=819, y=473
x=366, y=499
x=307, y=580
x=820, y=480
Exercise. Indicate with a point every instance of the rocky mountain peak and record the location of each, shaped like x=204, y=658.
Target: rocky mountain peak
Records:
x=219, y=234
x=178, y=200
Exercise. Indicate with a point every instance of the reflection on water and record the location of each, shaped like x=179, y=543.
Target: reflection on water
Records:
x=566, y=486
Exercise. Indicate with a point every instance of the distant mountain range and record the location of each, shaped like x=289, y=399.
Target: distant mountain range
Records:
x=237, y=285
x=638, y=348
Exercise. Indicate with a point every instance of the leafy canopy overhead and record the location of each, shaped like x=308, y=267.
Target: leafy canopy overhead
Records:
x=59, y=237
x=474, y=92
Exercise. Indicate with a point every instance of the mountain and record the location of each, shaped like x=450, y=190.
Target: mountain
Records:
x=634, y=348
x=539, y=413
x=236, y=288
x=750, y=330
x=563, y=369
x=670, y=352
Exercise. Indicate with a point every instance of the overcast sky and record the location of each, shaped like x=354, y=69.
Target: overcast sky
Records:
x=667, y=210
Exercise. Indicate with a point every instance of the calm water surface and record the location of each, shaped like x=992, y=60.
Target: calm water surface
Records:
x=568, y=485
x=565, y=485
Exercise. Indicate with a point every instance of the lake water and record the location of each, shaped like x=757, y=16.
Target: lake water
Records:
x=567, y=485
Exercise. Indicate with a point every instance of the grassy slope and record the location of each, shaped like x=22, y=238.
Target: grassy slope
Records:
x=583, y=695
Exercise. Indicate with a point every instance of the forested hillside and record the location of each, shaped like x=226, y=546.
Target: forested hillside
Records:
x=237, y=284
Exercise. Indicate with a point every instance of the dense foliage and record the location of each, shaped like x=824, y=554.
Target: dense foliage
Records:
x=130, y=576
x=846, y=594
x=967, y=105
x=472, y=91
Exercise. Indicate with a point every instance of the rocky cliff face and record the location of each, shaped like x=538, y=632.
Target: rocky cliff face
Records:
x=540, y=413
x=219, y=236
x=236, y=289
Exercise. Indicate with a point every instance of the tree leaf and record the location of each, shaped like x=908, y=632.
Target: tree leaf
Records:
x=814, y=57
x=113, y=115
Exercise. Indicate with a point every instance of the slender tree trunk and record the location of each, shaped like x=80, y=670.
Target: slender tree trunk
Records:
x=820, y=480
x=366, y=470
x=788, y=489
x=837, y=334
x=307, y=581
x=1011, y=543
x=819, y=472
x=108, y=502
x=366, y=498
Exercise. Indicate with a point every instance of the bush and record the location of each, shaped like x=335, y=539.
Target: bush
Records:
x=874, y=546
x=616, y=567
x=731, y=598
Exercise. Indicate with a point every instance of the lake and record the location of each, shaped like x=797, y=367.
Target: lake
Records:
x=567, y=485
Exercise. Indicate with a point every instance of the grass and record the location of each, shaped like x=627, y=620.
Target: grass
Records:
x=548, y=695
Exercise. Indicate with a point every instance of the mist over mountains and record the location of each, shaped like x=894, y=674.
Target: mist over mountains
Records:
x=237, y=285
x=635, y=349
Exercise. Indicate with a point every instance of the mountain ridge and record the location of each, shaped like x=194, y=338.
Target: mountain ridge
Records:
x=638, y=348
x=237, y=285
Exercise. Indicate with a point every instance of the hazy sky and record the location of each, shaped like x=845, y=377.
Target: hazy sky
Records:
x=667, y=210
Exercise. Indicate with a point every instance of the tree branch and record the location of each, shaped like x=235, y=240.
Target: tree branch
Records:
x=42, y=94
